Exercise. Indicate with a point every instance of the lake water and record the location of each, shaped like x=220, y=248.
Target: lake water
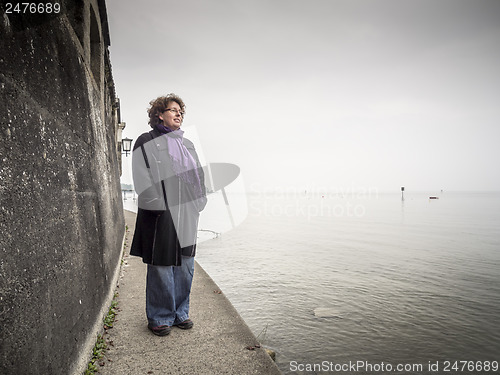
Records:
x=328, y=280
x=366, y=278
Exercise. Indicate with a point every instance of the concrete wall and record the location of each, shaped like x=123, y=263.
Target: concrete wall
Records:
x=61, y=217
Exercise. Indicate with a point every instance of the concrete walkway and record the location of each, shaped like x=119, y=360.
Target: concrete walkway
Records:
x=217, y=344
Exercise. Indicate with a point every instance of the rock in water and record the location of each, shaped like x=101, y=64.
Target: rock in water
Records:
x=271, y=353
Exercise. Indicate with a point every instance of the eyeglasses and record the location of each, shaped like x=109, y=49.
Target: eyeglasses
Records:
x=172, y=110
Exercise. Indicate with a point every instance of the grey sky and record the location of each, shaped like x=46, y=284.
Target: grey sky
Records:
x=326, y=94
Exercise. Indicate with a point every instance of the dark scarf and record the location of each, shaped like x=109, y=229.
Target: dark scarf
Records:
x=183, y=163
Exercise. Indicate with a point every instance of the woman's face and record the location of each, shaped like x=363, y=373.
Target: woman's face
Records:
x=172, y=117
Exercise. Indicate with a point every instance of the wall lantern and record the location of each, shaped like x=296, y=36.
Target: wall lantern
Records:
x=126, y=146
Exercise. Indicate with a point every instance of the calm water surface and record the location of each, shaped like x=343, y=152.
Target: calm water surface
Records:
x=370, y=278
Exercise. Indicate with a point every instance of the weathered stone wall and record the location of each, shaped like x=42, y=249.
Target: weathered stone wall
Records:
x=61, y=217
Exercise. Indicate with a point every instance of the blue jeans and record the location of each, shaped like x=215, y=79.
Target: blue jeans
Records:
x=167, y=293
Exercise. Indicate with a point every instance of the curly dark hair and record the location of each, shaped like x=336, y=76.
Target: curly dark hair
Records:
x=158, y=106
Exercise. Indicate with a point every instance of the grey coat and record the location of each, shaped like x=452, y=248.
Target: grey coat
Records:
x=168, y=211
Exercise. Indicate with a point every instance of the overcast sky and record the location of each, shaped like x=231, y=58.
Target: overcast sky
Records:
x=324, y=93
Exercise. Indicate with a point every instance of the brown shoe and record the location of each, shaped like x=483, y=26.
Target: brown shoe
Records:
x=160, y=330
x=187, y=324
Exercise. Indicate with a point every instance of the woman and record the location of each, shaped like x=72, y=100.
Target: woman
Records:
x=170, y=183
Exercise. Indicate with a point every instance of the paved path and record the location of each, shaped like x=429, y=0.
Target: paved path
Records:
x=217, y=344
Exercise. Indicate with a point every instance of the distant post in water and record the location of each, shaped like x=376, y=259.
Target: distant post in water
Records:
x=402, y=193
